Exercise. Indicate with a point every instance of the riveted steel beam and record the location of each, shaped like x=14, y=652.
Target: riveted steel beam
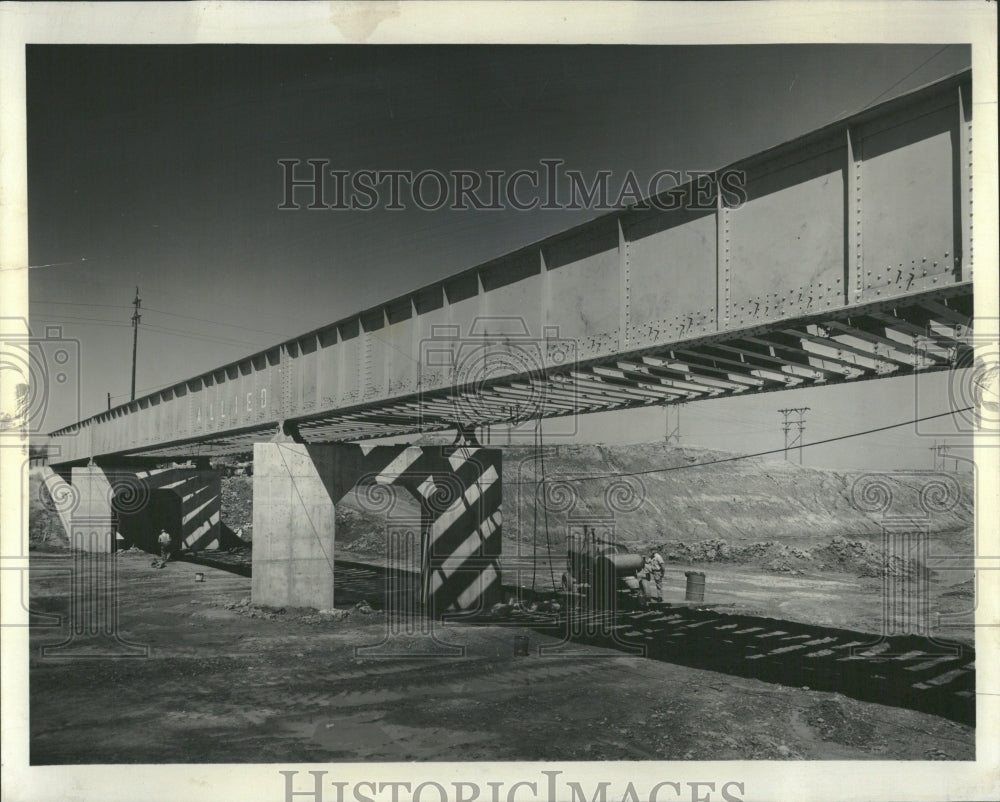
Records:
x=712, y=291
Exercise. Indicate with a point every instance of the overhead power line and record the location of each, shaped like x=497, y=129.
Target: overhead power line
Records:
x=915, y=70
x=196, y=336
x=215, y=322
x=737, y=457
x=86, y=321
x=59, y=317
x=79, y=303
x=60, y=264
x=165, y=312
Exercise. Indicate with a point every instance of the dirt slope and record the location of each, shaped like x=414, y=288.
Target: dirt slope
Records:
x=738, y=501
x=776, y=514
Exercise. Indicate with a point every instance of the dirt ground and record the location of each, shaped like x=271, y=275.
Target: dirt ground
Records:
x=224, y=682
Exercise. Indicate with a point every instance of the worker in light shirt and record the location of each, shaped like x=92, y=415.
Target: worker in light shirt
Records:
x=166, y=542
x=654, y=565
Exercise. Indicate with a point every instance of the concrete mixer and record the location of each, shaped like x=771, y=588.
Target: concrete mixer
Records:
x=603, y=575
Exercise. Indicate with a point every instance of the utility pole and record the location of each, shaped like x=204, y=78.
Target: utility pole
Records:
x=109, y=399
x=136, y=317
x=786, y=427
x=936, y=454
x=672, y=429
x=802, y=430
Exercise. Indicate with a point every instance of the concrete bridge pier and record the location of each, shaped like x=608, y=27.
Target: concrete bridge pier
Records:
x=92, y=524
x=456, y=492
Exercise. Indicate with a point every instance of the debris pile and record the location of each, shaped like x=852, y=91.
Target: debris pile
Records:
x=246, y=607
x=325, y=616
x=237, y=505
x=859, y=557
x=515, y=607
x=334, y=614
x=865, y=559
x=302, y=615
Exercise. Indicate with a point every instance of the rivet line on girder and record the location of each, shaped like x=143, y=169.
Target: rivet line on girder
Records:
x=859, y=251
x=969, y=136
x=628, y=293
x=726, y=242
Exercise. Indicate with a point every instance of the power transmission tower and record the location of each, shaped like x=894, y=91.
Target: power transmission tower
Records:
x=786, y=427
x=942, y=452
x=136, y=317
x=672, y=429
x=511, y=412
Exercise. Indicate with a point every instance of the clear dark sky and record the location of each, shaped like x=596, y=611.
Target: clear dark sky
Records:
x=159, y=165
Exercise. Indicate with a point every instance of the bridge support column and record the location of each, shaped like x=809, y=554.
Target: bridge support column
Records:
x=456, y=491
x=293, y=529
x=92, y=521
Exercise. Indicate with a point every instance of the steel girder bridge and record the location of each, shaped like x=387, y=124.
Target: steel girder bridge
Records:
x=850, y=258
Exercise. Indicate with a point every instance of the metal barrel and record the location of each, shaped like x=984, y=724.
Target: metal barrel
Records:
x=695, y=590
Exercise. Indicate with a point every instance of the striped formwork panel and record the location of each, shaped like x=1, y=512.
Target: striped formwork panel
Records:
x=200, y=494
x=191, y=513
x=462, y=521
x=460, y=493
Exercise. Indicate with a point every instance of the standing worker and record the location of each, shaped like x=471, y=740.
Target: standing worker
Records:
x=165, y=542
x=655, y=563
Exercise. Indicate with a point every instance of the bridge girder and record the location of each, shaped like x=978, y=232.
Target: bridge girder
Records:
x=818, y=275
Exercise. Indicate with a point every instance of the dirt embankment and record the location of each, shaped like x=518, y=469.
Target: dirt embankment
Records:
x=45, y=530
x=687, y=494
x=237, y=505
x=689, y=502
x=772, y=514
x=853, y=556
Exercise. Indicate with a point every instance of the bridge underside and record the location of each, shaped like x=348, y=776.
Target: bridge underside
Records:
x=926, y=332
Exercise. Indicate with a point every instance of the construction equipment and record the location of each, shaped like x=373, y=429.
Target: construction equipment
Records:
x=605, y=575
